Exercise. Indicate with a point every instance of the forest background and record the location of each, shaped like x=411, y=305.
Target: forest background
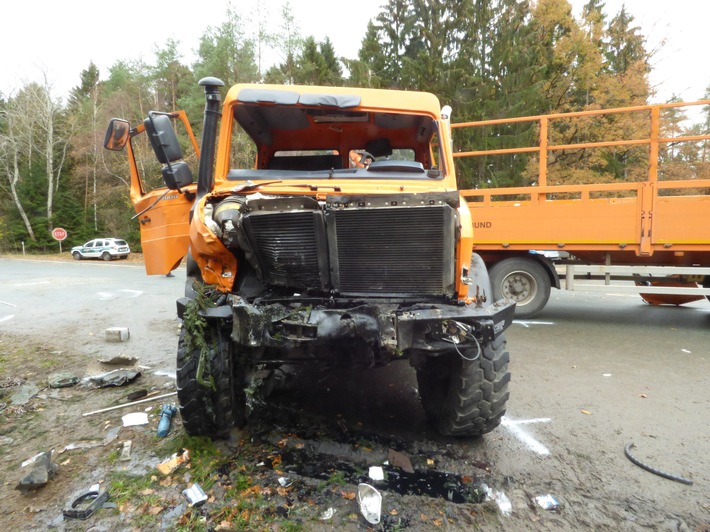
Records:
x=485, y=58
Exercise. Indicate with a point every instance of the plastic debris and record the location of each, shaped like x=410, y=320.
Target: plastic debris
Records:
x=117, y=334
x=166, y=414
x=376, y=473
x=126, y=451
x=328, y=514
x=117, y=377
x=23, y=394
x=503, y=502
x=81, y=445
x=99, y=500
x=62, y=380
x=135, y=418
x=547, y=502
x=285, y=482
x=195, y=494
x=370, y=502
x=171, y=464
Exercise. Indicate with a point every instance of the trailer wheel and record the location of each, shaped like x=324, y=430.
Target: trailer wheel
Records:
x=523, y=281
x=208, y=411
x=466, y=397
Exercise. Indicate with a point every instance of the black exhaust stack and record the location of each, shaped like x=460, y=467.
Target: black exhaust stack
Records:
x=213, y=100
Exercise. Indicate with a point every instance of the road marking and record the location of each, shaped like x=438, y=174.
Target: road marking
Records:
x=6, y=318
x=8, y=304
x=527, y=324
x=514, y=426
x=132, y=293
x=31, y=284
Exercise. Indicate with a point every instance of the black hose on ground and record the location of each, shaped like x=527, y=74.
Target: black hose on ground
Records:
x=627, y=452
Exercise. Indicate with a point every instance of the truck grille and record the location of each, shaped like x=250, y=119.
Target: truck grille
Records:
x=382, y=251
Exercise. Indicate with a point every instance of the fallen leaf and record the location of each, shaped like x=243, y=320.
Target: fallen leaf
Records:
x=400, y=460
x=393, y=511
x=429, y=461
x=643, y=396
x=155, y=510
x=423, y=517
x=437, y=522
x=147, y=491
x=587, y=412
x=349, y=495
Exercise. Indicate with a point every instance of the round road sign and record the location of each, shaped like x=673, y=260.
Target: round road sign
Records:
x=59, y=234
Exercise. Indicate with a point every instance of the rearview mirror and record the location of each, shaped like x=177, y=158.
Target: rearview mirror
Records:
x=116, y=134
x=177, y=175
x=162, y=137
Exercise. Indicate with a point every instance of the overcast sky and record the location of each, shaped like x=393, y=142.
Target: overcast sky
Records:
x=61, y=38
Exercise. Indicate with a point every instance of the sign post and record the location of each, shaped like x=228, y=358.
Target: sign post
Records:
x=59, y=234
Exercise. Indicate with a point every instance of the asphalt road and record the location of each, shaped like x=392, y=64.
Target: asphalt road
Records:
x=591, y=374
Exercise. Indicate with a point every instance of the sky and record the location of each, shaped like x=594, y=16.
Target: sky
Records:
x=58, y=39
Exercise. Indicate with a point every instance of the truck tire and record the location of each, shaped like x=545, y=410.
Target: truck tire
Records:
x=523, y=281
x=466, y=397
x=206, y=411
x=706, y=284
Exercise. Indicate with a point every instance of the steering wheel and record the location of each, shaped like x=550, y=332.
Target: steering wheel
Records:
x=359, y=158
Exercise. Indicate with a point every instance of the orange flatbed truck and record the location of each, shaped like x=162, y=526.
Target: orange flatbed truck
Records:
x=654, y=233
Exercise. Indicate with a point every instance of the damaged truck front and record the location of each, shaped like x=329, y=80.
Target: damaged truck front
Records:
x=344, y=243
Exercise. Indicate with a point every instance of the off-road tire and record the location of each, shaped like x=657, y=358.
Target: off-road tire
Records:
x=76, y=255
x=523, y=281
x=206, y=411
x=463, y=397
x=106, y=256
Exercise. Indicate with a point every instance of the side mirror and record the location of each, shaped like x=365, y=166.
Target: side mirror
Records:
x=162, y=138
x=117, y=134
x=177, y=175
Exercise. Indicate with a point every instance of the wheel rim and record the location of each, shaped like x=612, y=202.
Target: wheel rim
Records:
x=520, y=287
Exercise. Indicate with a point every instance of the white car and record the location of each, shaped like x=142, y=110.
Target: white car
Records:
x=102, y=248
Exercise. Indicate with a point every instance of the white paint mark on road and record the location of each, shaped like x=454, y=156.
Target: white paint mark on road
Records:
x=7, y=318
x=105, y=296
x=132, y=293
x=35, y=283
x=514, y=426
x=8, y=304
x=685, y=351
x=527, y=324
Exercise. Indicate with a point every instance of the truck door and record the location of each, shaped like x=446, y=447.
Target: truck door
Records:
x=162, y=196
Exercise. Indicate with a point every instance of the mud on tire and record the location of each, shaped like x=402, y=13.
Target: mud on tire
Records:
x=206, y=411
x=462, y=397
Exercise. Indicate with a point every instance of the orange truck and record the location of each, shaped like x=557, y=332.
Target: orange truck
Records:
x=652, y=233
x=325, y=226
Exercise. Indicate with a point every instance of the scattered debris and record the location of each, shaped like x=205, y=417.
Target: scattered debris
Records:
x=400, y=460
x=81, y=445
x=328, y=514
x=126, y=451
x=376, y=473
x=129, y=404
x=119, y=360
x=138, y=394
x=171, y=464
x=195, y=494
x=62, y=380
x=627, y=452
x=503, y=502
x=285, y=482
x=99, y=500
x=166, y=414
x=117, y=334
x=111, y=435
x=135, y=418
x=547, y=502
x=41, y=470
x=23, y=395
x=370, y=502
x=586, y=412
x=117, y=377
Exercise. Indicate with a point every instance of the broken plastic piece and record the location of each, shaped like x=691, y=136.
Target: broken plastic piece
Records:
x=370, y=502
x=285, y=482
x=118, y=377
x=171, y=464
x=62, y=380
x=126, y=451
x=195, y=494
x=376, y=473
x=328, y=514
x=503, y=502
x=547, y=502
x=98, y=502
x=135, y=418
